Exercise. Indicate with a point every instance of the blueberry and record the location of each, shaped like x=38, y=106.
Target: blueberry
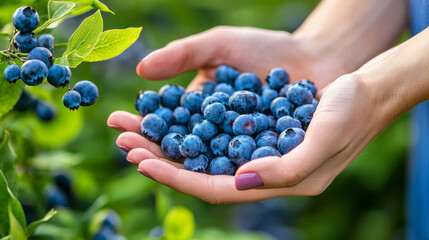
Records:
x=194, y=119
x=207, y=101
x=205, y=129
x=64, y=183
x=224, y=87
x=265, y=152
x=309, y=85
x=25, y=102
x=272, y=122
x=88, y=92
x=240, y=149
x=180, y=129
x=299, y=94
x=58, y=76
x=265, y=86
x=244, y=125
x=222, y=166
x=181, y=115
x=215, y=112
x=227, y=123
x=249, y=82
x=268, y=95
x=147, y=102
x=46, y=41
x=261, y=121
x=277, y=78
x=112, y=220
x=106, y=233
x=33, y=72
x=315, y=102
x=170, y=145
x=208, y=88
x=196, y=164
x=289, y=139
x=286, y=122
x=284, y=89
x=170, y=95
x=223, y=98
x=153, y=127
x=226, y=74
x=25, y=41
x=267, y=138
x=42, y=54
x=304, y=114
x=12, y=73
x=281, y=107
x=219, y=144
x=166, y=114
x=44, y=112
x=72, y=100
x=260, y=105
x=191, y=146
x=56, y=198
x=192, y=101
x=243, y=102
x=25, y=19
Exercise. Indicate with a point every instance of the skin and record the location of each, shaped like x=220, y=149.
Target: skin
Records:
x=362, y=94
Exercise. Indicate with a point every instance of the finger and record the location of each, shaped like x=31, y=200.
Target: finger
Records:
x=218, y=189
x=202, y=50
x=124, y=121
x=295, y=166
x=138, y=155
x=198, y=81
x=133, y=140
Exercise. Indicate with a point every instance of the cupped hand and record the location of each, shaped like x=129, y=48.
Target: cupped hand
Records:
x=246, y=49
x=342, y=126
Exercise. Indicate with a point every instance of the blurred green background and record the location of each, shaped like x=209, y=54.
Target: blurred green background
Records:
x=366, y=201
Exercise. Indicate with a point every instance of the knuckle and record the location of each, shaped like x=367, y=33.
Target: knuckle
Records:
x=210, y=195
x=291, y=178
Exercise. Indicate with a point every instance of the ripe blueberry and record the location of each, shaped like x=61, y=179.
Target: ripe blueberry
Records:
x=281, y=107
x=289, y=139
x=299, y=94
x=147, y=102
x=196, y=164
x=304, y=114
x=240, y=149
x=286, y=122
x=56, y=198
x=25, y=102
x=267, y=138
x=277, y=78
x=227, y=123
x=153, y=127
x=170, y=95
x=309, y=85
x=25, y=41
x=72, y=100
x=248, y=81
x=166, y=114
x=284, y=89
x=272, y=122
x=194, y=119
x=33, y=72
x=219, y=144
x=226, y=74
x=170, y=145
x=224, y=87
x=208, y=88
x=268, y=95
x=44, y=112
x=223, y=98
x=180, y=129
x=265, y=152
x=207, y=101
x=192, y=101
x=25, y=19
x=46, y=41
x=42, y=54
x=243, y=102
x=88, y=92
x=191, y=146
x=244, y=125
x=215, y=112
x=222, y=166
x=181, y=115
x=12, y=73
x=205, y=129
x=261, y=121
x=58, y=76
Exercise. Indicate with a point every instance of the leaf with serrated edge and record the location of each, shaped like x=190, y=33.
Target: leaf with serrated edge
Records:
x=86, y=36
x=112, y=43
x=9, y=92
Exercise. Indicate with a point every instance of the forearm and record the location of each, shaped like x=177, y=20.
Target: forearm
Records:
x=354, y=31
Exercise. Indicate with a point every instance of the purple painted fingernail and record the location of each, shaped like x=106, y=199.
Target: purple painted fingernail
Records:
x=145, y=174
x=132, y=162
x=124, y=148
x=248, y=181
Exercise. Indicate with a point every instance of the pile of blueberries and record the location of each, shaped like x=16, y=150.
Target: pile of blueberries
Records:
x=38, y=65
x=230, y=122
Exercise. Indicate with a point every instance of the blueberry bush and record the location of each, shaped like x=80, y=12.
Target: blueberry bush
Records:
x=62, y=176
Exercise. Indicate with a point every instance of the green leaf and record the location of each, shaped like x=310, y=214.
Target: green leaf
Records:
x=7, y=163
x=6, y=238
x=84, y=39
x=62, y=61
x=179, y=224
x=112, y=43
x=9, y=92
x=16, y=230
x=32, y=227
x=8, y=200
x=93, y=3
x=57, y=11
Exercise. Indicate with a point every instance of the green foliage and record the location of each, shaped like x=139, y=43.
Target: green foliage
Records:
x=34, y=225
x=9, y=93
x=7, y=163
x=16, y=230
x=179, y=224
x=112, y=43
x=9, y=204
x=92, y=3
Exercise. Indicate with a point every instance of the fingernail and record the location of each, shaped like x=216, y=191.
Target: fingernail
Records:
x=248, y=181
x=145, y=174
x=132, y=162
x=116, y=127
x=124, y=148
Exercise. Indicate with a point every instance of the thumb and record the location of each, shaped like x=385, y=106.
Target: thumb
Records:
x=203, y=50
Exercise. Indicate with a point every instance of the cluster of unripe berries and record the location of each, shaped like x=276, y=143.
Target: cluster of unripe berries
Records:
x=39, y=66
x=230, y=122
